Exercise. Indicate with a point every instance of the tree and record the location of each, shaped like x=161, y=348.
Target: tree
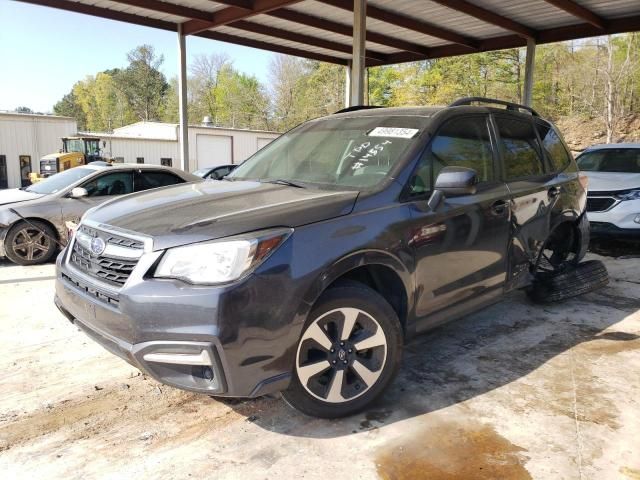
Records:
x=143, y=84
x=622, y=59
x=23, y=110
x=68, y=106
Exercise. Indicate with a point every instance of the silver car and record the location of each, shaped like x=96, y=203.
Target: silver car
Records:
x=33, y=219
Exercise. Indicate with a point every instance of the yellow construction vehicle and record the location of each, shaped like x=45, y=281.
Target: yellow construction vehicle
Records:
x=75, y=151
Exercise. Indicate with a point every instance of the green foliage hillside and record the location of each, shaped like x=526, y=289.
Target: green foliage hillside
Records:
x=587, y=86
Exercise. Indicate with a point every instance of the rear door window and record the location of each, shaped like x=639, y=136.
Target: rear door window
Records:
x=519, y=147
x=155, y=179
x=553, y=147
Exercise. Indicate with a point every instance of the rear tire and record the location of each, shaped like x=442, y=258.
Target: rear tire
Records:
x=348, y=353
x=30, y=243
x=555, y=287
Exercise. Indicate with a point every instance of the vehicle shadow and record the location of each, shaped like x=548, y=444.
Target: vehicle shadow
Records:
x=616, y=248
x=475, y=355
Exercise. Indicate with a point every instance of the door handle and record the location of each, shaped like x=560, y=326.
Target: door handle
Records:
x=553, y=192
x=499, y=207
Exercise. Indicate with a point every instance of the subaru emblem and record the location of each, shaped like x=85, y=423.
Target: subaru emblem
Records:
x=97, y=246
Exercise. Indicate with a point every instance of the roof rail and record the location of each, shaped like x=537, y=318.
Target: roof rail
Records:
x=356, y=107
x=509, y=105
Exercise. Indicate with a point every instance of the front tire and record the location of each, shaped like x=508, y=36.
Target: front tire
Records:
x=30, y=243
x=348, y=353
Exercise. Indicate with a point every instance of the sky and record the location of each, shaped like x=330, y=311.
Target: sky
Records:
x=44, y=51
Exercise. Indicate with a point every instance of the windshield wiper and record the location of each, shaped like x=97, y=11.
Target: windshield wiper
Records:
x=281, y=181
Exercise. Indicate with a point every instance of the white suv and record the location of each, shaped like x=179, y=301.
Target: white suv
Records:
x=613, y=202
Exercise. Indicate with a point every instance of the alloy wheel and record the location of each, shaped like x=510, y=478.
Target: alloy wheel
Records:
x=31, y=244
x=341, y=355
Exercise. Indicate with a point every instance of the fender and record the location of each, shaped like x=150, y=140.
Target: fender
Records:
x=355, y=260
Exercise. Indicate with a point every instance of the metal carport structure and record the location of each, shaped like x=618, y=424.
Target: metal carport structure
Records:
x=358, y=34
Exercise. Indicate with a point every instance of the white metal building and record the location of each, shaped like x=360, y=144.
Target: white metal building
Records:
x=24, y=139
x=157, y=143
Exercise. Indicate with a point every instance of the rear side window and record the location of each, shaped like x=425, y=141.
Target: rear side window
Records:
x=147, y=180
x=519, y=147
x=553, y=147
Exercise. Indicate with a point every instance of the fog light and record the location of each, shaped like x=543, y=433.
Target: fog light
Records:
x=637, y=219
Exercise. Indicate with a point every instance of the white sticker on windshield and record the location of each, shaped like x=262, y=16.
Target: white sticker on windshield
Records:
x=393, y=132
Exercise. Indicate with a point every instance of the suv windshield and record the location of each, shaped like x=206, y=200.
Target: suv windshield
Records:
x=351, y=152
x=61, y=180
x=620, y=160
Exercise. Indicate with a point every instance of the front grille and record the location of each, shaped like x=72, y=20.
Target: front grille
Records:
x=115, y=271
x=599, y=204
x=109, y=299
x=114, y=265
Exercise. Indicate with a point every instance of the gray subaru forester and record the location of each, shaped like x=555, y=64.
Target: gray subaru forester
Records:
x=306, y=269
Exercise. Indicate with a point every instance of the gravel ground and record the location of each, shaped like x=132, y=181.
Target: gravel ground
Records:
x=515, y=391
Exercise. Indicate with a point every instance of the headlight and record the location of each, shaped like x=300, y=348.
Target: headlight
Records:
x=220, y=261
x=628, y=195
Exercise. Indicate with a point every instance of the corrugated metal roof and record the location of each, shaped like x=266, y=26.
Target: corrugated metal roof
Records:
x=397, y=30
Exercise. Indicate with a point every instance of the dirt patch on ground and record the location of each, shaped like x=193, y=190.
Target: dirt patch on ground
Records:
x=452, y=451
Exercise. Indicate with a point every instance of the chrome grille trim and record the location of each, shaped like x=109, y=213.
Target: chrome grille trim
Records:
x=110, y=270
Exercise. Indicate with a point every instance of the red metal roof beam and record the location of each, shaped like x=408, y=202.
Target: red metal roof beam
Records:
x=346, y=30
x=488, y=17
x=580, y=12
x=232, y=14
x=302, y=38
x=409, y=23
x=170, y=8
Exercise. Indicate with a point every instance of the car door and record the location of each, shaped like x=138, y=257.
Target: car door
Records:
x=148, y=179
x=100, y=188
x=533, y=191
x=460, y=249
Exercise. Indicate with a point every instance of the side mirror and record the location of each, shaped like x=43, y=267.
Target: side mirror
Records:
x=78, y=192
x=453, y=182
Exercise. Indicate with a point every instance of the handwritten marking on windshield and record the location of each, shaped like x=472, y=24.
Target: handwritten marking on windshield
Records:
x=361, y=160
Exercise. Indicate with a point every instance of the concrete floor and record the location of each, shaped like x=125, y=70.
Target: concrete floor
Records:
x=516, y=391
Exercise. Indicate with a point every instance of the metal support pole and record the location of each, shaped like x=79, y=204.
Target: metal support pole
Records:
x=529, y=67
x=358, y=57
x=347, y=84
x=183, y=129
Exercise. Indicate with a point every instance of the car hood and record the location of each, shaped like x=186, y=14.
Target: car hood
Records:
x=612, y=181
x=195, y=212
x=15, y=195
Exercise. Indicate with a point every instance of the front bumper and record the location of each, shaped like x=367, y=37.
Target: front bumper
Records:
x=188, y=365
x=197, y=338
x=3, y=235
x=609, y=230
x=621, y=217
